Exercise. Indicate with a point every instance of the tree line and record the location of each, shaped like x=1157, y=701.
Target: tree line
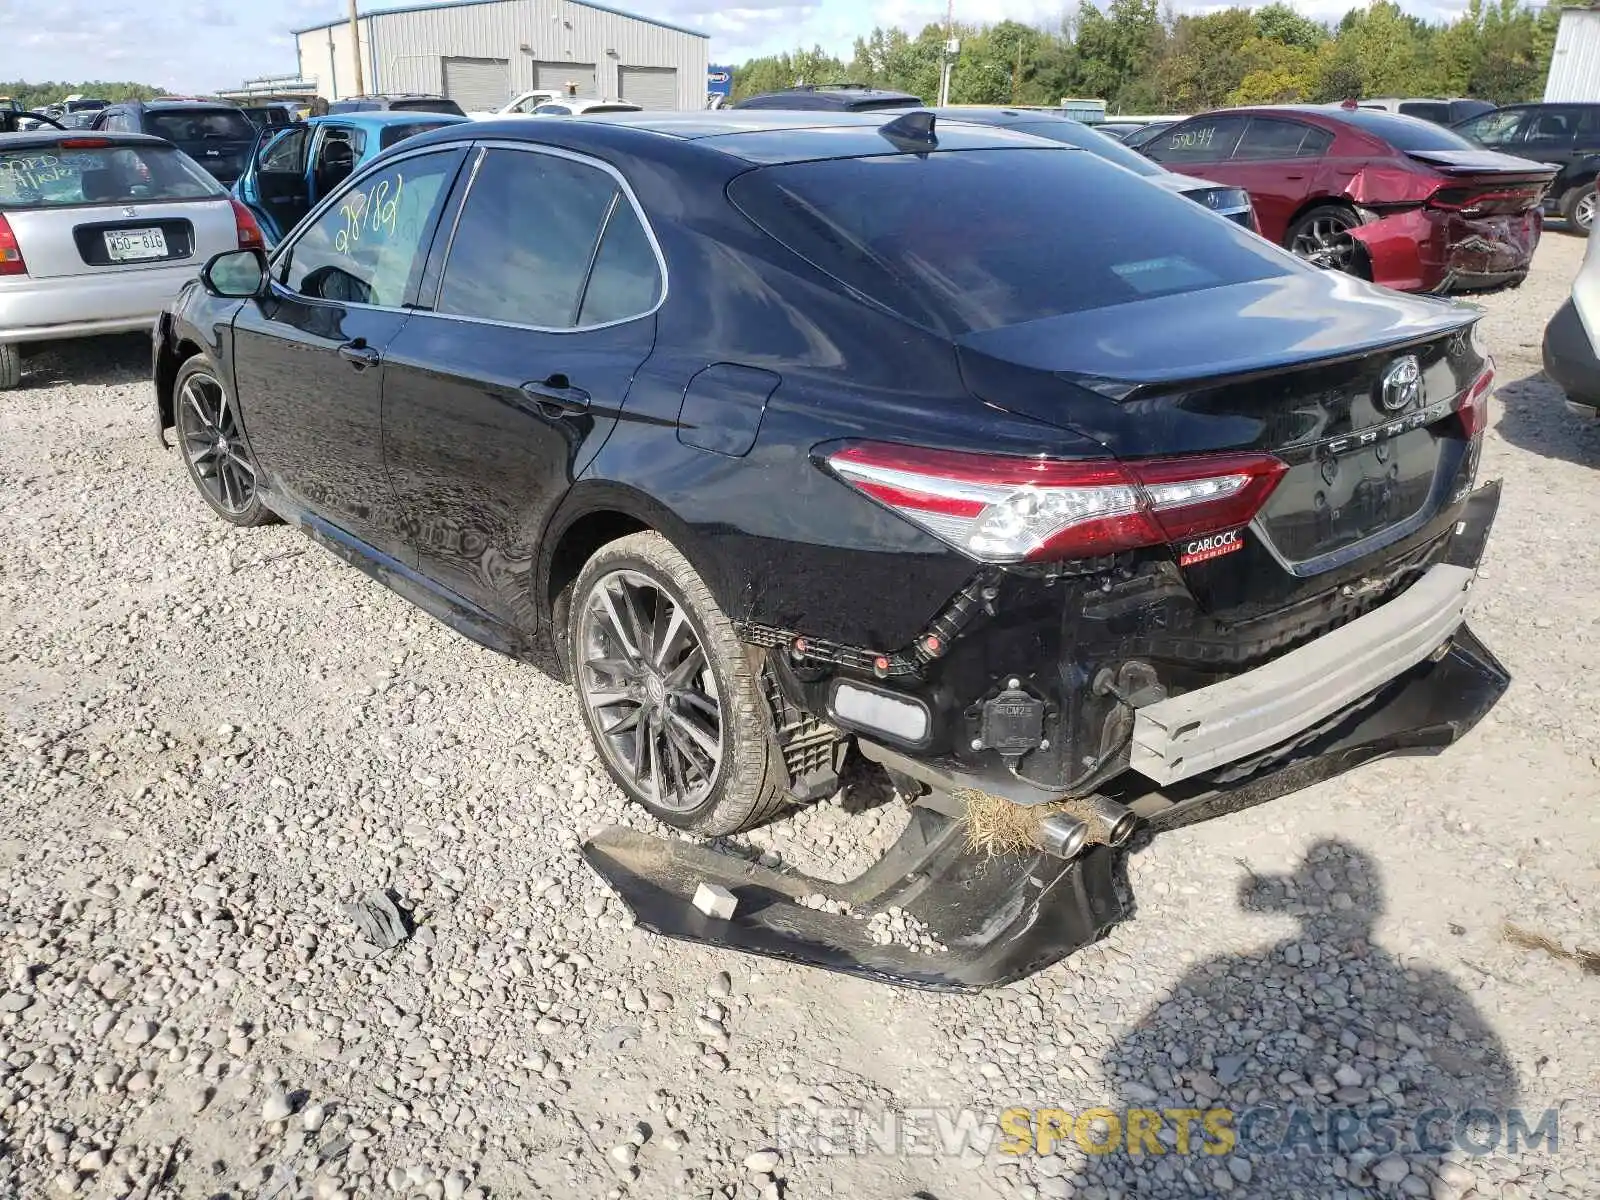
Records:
x=1142, y=59
x=34, y=96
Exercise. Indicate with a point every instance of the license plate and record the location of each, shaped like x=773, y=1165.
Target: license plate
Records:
x=131, y=245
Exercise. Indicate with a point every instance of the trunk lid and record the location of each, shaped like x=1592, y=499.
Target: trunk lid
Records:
x=1310, y=367
x=1485, y=163
x=85, y=240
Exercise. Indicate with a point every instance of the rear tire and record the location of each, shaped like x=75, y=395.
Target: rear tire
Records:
x=1321, y=236
x=10, y=367
x=670, y=697
x=1577, y=207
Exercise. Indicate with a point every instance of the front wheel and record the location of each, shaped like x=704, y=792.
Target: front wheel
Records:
x=668, y=694
x=1577, y=206
x=1321, y=236
x=211, y=440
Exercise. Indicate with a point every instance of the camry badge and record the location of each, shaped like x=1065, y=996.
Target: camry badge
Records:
x=130, y=211
x=1402, y=385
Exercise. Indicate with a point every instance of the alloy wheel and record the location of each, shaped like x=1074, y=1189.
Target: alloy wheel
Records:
x=1583, y=211
x=1326, y=242
x=212, y=441
x=650, y=690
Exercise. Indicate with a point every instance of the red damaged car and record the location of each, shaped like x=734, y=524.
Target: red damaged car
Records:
x=1397, y=200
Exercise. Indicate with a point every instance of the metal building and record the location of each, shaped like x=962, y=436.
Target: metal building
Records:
x=481, y=53
x=1575, y=65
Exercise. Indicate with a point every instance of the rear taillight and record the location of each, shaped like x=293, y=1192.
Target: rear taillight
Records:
x=249, y=232
x=1473, y=406
x=10, y=253
x=1002, y=509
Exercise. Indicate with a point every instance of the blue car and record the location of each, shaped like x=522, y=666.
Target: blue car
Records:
x=297, y=167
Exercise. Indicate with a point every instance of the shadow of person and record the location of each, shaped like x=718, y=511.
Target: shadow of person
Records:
x=1319, y=1066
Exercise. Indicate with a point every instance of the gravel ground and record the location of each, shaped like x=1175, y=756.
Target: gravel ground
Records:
x=212, y=744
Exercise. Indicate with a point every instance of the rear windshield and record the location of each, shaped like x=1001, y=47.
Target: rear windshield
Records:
x=938, y=240
x=200, y=125
x=393, y=134
x=1073, y=134
x=1405, y=133
x=46, y=177
x=448, y=107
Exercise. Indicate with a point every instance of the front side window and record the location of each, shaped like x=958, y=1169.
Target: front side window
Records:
x=369, y=245
x=1207, y=139
x=287, y=155
x=529, y=240
x=553, y=110
x=1551, y=128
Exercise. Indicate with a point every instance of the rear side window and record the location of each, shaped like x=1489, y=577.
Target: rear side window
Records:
x=1424, y=110
x=626, y=279
x=1208, y=139
x=1269, y=137
x=553, y=110
x=528, y=235
x=200, y=125
x=393, y=135
x=932, y=237
x=44, y=177
x=1493, y=127
x=448, y=108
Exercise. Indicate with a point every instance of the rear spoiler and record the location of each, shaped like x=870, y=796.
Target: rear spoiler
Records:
x=1479, y=163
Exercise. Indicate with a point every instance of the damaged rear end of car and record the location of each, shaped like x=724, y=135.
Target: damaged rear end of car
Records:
x=1233, y=562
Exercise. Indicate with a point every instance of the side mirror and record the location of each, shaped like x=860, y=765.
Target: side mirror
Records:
x=236, y=274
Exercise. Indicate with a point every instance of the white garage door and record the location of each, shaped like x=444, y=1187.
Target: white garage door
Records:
x=649, y=87
x=560, y=76
x=477, y=84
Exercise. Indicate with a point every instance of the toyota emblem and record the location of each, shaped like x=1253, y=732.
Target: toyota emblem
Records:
x=1402, y=385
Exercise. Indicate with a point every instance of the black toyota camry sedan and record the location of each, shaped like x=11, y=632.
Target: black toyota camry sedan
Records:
x=1036, y=484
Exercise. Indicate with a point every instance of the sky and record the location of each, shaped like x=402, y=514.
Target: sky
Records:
x=202, y=45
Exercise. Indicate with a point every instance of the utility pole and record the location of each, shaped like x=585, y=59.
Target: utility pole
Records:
x=1016, y=76
x=947, y=62
x=355, y=46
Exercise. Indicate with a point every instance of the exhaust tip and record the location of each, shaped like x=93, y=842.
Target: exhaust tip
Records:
x=1063, y=836
x=1122, y=828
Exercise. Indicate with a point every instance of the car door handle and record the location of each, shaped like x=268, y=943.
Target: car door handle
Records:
x=359, y=354
x=1294, y=176
x=556, y=396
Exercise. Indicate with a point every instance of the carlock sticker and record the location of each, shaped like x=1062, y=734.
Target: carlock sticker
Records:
x=1198, y=550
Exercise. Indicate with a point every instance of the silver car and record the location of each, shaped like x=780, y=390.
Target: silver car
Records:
x=98, y=231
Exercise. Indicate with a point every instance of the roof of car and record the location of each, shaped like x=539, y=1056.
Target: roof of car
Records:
x=762, y=135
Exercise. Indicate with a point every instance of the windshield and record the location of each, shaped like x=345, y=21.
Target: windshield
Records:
x=1071, y=133
x=934, y=239
x=201, y=125
x=1405, y=133
x=58, y=177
